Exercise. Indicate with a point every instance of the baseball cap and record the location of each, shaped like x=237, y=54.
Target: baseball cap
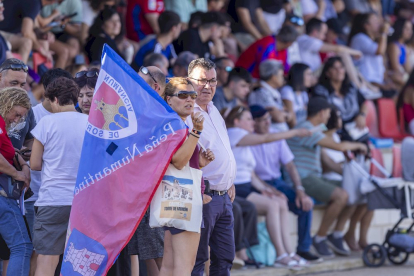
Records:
x=317, y=104
x=257, y=111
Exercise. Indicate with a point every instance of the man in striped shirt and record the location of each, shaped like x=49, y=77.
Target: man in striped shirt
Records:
x=307, y=152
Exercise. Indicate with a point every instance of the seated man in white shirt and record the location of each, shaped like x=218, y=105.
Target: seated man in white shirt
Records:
x=269, y=159
x=312, y=43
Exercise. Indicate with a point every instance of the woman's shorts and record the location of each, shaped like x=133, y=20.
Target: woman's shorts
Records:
x=244, y=190
x=50, y=226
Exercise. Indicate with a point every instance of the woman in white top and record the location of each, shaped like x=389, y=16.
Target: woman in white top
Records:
x=56, y=152
x=268, y=201
x=332, y=162
x=295, y=95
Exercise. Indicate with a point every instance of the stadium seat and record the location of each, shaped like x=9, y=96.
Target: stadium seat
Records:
x=372, y=119
x=396, y=162
x=402, y=122
x=38, y=59
x=388, y=126
x=377, y=155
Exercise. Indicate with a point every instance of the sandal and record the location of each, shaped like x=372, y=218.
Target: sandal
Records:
x=301, y=261
x=284, y=261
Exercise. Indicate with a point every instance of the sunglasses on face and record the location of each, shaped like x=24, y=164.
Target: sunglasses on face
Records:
x=145, y=71
x=183, y=95
x=88, y=74
x=297, y=20
x=17, y=67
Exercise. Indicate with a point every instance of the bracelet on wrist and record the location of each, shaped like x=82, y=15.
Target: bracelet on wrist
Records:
x=197, y=132
x=300, y=188
x=196, y=136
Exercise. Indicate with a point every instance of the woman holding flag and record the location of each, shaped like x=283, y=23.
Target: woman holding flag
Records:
x=180, y=246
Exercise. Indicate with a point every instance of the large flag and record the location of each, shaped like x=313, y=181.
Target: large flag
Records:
x=129, y=141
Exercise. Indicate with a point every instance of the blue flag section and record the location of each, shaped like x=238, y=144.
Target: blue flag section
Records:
x=129, y=141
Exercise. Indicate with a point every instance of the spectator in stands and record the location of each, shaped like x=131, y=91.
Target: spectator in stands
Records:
x=406, y=102
x=142, y=18
x=268, y=201
x=295, y=93
x=67, y=33
x=185, y=8
x=397, y=50
x=355, y=7
x=180, y=246
x=293, y=53
x=55, y=148
x=195, y=20
x=274, y=14
x=215, y=5
x=170, y=28
x=307, y=152
x=154, y=77
x=14, y=105
x=180, y=66
x=335, y=86
x=269, y=159
x=224, y=65
x=105, y=28
x=90, y=10
x=269, y=47
x=157, y=60
x=235, y=91
x=332, y=35
x=18, y=26
x=312, y=43
x=314, y=9
x=197, y=40
x=245, y=229
x=332, y=163
x=366, y=28
x=5, y=52
x=86, y=81
x=249, y=23
x=218, y=231
x=268, y=95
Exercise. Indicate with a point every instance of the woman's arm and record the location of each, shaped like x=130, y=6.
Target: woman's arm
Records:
x=37, y=156
x=252, y=139
x=291, y=112
x=184, y=153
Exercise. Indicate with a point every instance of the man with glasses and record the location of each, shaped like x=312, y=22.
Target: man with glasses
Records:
x=154, y=77
x=217, y=215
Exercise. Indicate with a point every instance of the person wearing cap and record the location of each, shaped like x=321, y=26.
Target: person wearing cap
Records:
x=332, y=35
x=170, y=27
x=268, y=201
x=196, y=40
x=269, y=160
x=312, y=43
x=307, y=152
x=235, y=91
x=180, y=66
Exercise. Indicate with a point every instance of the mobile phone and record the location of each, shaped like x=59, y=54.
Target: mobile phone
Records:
x=27, y=152
x=53, y=24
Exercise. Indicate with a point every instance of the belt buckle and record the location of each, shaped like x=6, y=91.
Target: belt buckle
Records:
x=220, y=193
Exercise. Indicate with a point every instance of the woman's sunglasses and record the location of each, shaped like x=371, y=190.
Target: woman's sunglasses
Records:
x=88, y=74
x=183, y=95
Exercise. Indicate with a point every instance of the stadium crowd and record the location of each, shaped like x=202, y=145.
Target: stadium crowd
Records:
x=277, y=92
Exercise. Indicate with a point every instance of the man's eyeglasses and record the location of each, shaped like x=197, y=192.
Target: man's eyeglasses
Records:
x=203, y=82
x=145, y=71
x=88, y=74
x=183, y=95
x=16, y=67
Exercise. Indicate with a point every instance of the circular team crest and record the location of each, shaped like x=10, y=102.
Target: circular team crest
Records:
x=112, y=115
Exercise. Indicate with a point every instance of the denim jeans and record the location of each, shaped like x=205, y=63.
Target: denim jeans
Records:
x=14, y=232
x=304, y=218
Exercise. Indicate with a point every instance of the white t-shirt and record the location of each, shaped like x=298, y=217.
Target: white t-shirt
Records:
x=36, y=176
x=88, y=14
x=245, y=161
x=62, y=135
x=300, y=102
x=370, y=65
x=337, y=157
x=309, y=51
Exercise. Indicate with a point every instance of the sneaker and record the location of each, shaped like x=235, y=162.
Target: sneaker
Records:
x=337, y=245
x=310, y=257
x=322, y=249
x=238, y=263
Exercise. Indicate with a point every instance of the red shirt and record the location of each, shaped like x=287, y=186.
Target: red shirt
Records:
x=6, y=147
x=137, y=26
x=259, y=51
